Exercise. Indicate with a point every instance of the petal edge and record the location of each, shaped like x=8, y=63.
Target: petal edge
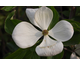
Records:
x=43, y=17
x=62, y=31
x=31, y=14
x=50, y=48
x=25, y=35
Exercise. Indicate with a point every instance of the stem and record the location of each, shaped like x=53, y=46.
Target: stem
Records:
x=68, y=50
x=72, y=12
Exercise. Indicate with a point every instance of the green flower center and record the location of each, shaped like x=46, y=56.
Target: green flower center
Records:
x=45, y=32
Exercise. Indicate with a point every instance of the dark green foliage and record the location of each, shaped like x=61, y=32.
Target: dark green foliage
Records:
x=10, y=23
x=8, y=8
x=73, y=41
x=59, y=56
x=55, y=18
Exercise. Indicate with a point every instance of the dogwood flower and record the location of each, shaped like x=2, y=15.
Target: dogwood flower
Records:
x=26, y=35
x=74, y=56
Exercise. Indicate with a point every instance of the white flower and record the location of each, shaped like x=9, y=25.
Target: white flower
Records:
x=26, y=35
x=73, y=56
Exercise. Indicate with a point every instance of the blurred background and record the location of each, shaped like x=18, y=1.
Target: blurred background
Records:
x=72, y=13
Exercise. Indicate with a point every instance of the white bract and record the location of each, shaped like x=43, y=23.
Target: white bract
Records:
x=26, y=35
x=73, y=56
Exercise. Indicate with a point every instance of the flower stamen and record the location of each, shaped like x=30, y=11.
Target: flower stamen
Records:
x=45, y=32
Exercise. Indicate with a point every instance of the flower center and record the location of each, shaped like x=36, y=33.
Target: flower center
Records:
x=45, y=32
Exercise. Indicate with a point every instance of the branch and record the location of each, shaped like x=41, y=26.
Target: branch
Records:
x=72, y=12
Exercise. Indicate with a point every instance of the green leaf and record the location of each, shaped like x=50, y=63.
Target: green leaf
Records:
x=28, y=53
x=19, y=54
x=8, y=8
x=10, y=15
x=12, y=46
x=73, y=41
x=23, y=54
x=75, y=24
x=31, y=55
x=15, y=21
x=58, y=56
x=76, y=37
x=10, y=24
x=55, y=17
